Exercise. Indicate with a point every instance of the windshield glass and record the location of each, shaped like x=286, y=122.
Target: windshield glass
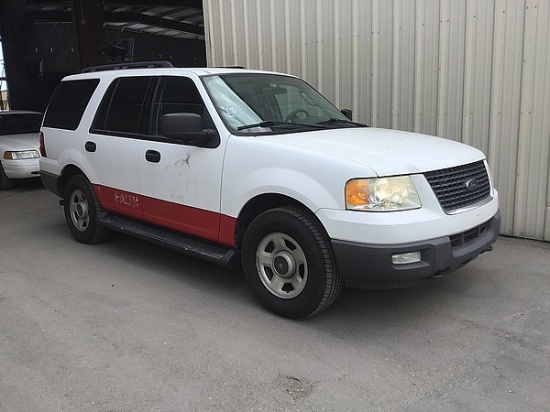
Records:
x=269, y=103
x=19, y=123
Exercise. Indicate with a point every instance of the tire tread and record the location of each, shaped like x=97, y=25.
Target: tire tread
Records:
x=335, y=282
x=308, y=226
x=5, y=182
x=99, y=233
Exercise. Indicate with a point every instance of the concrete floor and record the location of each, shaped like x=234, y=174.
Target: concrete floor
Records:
x=129, y=326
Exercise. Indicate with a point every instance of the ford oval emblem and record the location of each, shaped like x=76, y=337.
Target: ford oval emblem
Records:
x=472, y=184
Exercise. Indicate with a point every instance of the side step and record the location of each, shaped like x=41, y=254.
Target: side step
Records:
x=192, y=246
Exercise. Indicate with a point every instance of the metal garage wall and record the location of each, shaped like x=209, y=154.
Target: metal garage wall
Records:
x=476, y=71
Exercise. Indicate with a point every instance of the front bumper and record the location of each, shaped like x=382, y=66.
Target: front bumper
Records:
x=21, y=169
x=370, y=266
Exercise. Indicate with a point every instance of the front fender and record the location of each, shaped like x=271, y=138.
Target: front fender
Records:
x=291, y=183
x=253, y=167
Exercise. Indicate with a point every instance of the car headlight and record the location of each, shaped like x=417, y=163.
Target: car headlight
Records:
x=27, y=154
x=383, y=194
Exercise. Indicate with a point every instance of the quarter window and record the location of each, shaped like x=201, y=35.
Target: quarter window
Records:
x=68, y=103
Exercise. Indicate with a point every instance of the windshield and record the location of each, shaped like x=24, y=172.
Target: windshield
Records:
x=19, y=123
x=269, y=103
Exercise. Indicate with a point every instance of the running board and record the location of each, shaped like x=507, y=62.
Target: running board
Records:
x=192, y=246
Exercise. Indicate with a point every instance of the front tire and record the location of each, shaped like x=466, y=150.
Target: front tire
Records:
x=82, y=209
x=288, y=263
x=5, y=182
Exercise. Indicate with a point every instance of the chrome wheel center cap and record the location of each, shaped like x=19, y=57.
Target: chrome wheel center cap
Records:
x=82, y=210
x=284, y=264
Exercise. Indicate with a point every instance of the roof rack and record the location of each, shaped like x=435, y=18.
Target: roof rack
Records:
x=128, y=65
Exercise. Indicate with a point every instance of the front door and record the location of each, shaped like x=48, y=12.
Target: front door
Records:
x=180, y=182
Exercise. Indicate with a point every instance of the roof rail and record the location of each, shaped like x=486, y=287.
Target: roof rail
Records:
x=128, y=65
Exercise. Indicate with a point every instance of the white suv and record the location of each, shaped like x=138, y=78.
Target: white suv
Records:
x=235, y=165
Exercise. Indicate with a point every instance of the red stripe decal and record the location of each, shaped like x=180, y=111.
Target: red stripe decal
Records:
x=119, y=201
x=190, y=220
x=228, y=229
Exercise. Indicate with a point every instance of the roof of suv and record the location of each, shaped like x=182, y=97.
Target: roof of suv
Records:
x=198, y=71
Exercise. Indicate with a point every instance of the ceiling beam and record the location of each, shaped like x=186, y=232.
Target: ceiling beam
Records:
x=121, y=17
x=195, y=4
x=128, y=17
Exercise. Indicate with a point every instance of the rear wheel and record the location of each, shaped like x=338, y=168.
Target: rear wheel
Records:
x=5, y=182
x=82, y=209
x=289, y=264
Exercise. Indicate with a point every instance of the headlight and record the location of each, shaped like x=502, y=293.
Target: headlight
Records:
x=382, y=194
x=27, y=154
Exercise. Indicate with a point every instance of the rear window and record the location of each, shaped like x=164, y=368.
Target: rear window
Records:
x=68, y=103
x=19, y=123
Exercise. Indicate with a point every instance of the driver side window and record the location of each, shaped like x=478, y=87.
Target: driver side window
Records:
x=178, y=95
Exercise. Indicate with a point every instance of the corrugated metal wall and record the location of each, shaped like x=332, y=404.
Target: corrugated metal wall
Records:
x=476, y=71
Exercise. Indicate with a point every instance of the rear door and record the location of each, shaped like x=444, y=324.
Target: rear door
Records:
x=113, y=146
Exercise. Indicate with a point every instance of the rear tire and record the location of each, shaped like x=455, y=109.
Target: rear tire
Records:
x=5, y=182
x=288, y=263
x=82, y=209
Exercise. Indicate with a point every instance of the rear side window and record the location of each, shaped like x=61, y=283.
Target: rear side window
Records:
x=123, y=107
x=68, y=103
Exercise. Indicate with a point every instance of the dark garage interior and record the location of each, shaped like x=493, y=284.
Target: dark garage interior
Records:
x=44, y=41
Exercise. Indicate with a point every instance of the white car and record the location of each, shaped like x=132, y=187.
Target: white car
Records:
x=242, y=166
x=19, y=146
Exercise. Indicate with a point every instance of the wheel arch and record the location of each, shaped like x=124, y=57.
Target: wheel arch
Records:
x=67, y=172
x=262, y=203
x=309, y=282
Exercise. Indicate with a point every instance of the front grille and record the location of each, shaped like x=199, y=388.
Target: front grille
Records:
x=460, y=186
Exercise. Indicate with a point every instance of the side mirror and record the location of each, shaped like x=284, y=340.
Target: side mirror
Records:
x=174, y=123
x=348, y=113
x=187, y=128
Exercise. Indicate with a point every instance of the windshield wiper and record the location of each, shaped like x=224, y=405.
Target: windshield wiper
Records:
x=270, y=123
x=334, y=120
x=267, y=123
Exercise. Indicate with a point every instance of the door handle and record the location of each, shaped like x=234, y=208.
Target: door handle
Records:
x=90, y=146
x=152, y=156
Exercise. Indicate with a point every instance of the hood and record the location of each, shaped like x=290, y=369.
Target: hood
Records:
x=19, y=142
x=387, y=152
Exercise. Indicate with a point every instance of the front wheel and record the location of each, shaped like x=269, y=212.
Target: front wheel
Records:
x=288, y=263
x=5, y=182
x=82, y=209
